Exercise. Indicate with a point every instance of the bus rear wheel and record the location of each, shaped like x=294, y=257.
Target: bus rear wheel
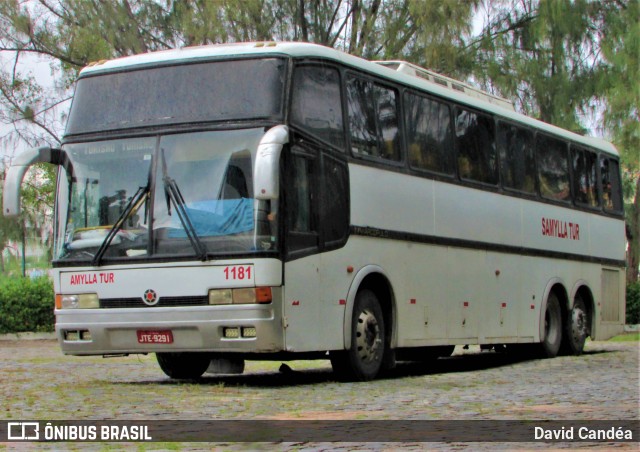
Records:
x=363, y=360
x=550, y=344
x=576, y=328
x=183, y=366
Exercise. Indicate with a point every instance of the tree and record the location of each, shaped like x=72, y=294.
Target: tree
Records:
x=621, y=51
x=544, y=54
x=561, y=60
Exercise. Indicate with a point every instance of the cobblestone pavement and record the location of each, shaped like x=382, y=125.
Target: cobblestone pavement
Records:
x=38, y=382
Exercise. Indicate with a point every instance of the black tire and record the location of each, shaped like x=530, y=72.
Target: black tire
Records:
x=183, y=366
x=550, y=344
x=576, y=329
x=363, y=360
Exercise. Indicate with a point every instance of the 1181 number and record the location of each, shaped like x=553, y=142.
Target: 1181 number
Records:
x=237, y=272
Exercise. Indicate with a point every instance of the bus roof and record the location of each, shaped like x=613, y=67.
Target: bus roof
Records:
x=301, y=50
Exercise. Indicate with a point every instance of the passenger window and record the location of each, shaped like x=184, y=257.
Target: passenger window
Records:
x=334, y=208
x=553, y=169
x=386, y=106
x=585, y=180
x=316, y=104
x=611, y=186
x=301, y=199
x=373, y=120
x=517, y=161
x=300, y=196
x=475, y=144
x=429, y=139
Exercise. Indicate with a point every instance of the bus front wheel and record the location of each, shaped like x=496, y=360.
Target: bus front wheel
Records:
x=553, y=327
x=364, y=358
x=183, y=366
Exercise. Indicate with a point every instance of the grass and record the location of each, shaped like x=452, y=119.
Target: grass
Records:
x=627, y=337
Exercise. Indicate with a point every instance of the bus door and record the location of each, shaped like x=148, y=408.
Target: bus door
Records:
x=316, y=206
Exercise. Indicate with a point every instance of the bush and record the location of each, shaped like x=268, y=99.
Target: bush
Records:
x=633, y=304
x=26, y=305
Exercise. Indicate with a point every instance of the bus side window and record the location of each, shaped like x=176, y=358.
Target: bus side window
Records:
x=553, y=168
x=373, y=120
x=389, y=138
x=585, y=181
x=517, y=161
x=428, y=134
x=334, y=207
x=316, y=104
x=300, y=203
x=362, y=117
x=611, y=186
x=475, y=144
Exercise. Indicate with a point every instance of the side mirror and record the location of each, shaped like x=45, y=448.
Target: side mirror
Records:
x=17, y=170
x=267, y=165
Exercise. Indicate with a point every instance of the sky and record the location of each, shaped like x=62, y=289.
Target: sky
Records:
x=41, y=69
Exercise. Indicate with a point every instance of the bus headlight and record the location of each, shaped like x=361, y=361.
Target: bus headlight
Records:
x=77, y=301
x=220, y=296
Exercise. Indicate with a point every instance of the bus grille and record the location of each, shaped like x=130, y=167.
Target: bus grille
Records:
x=162, y=303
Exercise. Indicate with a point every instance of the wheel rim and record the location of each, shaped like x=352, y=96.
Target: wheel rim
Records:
x=368, y=338
x=578, y=324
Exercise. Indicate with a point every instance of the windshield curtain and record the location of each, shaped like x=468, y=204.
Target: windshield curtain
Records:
x=176, y=195
x=186, y=93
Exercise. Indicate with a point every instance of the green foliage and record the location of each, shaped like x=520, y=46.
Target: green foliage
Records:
x=26, y=305
x=621, y=50
x=633, y=304
x=544, y=54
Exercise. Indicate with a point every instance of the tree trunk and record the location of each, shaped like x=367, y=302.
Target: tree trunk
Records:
x=633, y=236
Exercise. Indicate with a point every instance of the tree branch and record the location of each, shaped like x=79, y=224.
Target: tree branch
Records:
x=514, y=26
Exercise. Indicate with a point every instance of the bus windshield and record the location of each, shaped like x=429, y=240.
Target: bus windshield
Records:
x=183, y=194
x=178, y=94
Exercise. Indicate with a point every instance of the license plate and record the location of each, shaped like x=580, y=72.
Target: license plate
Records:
x=155, y=337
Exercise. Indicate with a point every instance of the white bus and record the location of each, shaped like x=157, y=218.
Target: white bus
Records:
x=289, y=201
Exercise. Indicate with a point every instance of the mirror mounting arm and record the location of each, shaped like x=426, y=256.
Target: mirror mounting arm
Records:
x=15, y=173
x=267, y=164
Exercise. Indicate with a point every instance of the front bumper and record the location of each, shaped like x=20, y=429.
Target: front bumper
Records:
x=194, y=329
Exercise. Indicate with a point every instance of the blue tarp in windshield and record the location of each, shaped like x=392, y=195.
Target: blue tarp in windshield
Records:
x=216, y=218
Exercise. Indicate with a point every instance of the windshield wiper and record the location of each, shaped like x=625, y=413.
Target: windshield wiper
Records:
x=132, y=206
x=172, y=194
